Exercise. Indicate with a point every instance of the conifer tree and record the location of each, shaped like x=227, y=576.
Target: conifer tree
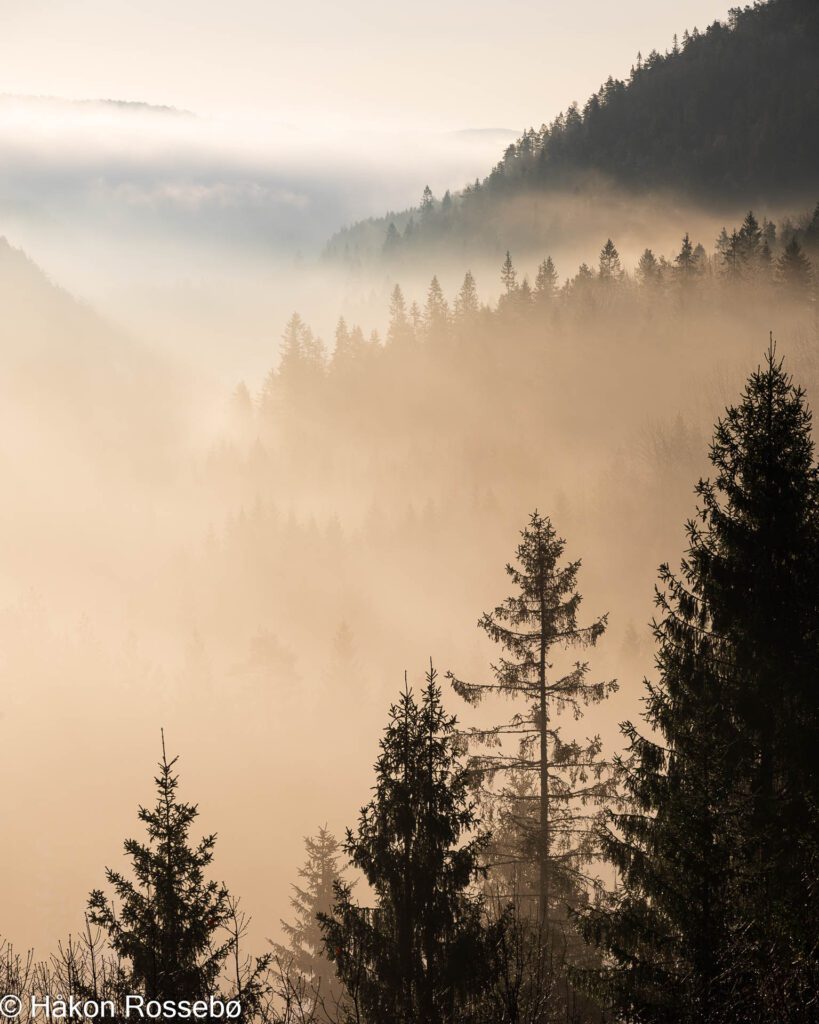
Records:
x=509, y=275
x=716, y=918
x=392, y=239
x=400, y=329
x=731, y=255
x=436, y=312
x=546, y=280
x=167, y=919
x=569, y=776
x=648, y=269
x=342, y=347
x=301, y=364
x=304, y=955
x=794, y=271
x=685, y=259
x=416, y=319
x=420, y=955
x=466, y=304
x=611, y=268
x=750, y=240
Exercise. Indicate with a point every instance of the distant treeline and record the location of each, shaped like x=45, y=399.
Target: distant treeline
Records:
x=753, y=255
x=728, y=113
x=483, y=903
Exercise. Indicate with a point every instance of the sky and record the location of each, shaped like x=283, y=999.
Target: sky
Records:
x=455, y=65
x=266, y=126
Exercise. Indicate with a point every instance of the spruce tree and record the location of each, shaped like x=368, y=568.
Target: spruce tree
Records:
x=304, y=955
x=509, y=275
x=419, y=955
x=794, y=273
x=546, y=280
x=392, y=240
x=750, y=240
x=685, y=260
x=648, y=269
x=167, y=924
x=400, y=329
x=467, y=304
x=610, y=266
x=716, y=918
x=436, y=312
x=569, y=776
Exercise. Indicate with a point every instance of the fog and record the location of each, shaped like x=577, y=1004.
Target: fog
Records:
x=254, y=571
x=112, y=194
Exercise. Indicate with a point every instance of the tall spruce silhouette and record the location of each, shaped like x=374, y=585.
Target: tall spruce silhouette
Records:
x=421, y=954
x=168, y=920
x=716, y=844
x=304, y=956
x=569, y=775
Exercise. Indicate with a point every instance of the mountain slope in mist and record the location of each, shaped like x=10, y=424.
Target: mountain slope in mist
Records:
x=727, y=115
x=69, y=377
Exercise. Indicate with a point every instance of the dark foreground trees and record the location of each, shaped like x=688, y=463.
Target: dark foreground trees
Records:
x=172, y=929
x=717, y=844
x=422, y=954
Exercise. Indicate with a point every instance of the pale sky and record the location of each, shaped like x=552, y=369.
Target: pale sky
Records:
x=457, y=64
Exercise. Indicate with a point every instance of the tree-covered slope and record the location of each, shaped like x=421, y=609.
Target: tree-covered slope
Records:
x=728, y=114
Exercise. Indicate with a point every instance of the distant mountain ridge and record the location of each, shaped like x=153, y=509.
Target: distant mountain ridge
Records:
x=728, y=113
x=134, y=106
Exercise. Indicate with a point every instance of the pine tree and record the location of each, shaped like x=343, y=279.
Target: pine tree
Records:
x=420, y=954
x=400, y=329
x=292, y=346
x=722, y=244
x=685, y=260
x=794, y=273
x=610, y=266
x=546, y=280
x=509, y=275
x=750, y=240
x=301, y=364
x=731, y=254
x=648, y=269
x=167, y=920
x=392, y=240
x=757, y=556
x=304, y=956
x=716, y=919
x=466, y=304
x=416, y=320
x=342, y=347
x=436, y=312
x=570, y=776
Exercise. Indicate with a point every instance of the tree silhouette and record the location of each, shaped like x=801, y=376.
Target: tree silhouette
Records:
x=167, y=922
x=540, y=616
x=421, y=952
x=716, y=846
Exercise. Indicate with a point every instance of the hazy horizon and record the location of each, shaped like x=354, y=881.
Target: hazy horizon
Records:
x=249, y=482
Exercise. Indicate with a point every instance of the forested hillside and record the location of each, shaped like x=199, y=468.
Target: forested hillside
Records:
x=360, y=510
x=725, y=115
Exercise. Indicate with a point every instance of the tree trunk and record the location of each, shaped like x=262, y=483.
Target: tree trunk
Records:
x=543, y=902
